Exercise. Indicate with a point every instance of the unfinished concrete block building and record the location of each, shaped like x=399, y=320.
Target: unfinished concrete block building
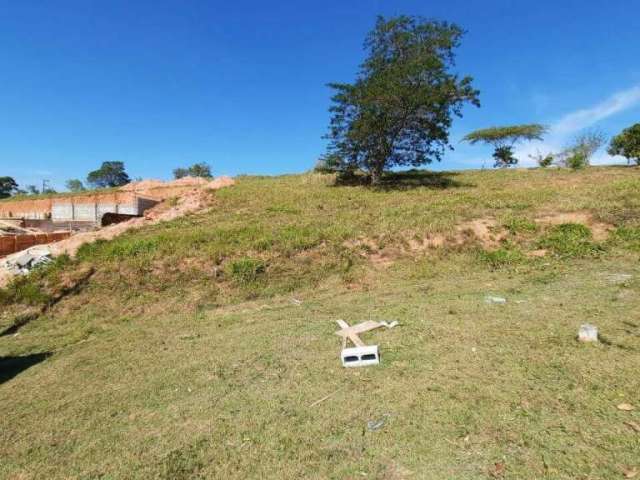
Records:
x=79, y=208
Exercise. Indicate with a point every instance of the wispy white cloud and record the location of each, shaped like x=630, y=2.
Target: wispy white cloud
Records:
x=561, y=131
x=587, y=117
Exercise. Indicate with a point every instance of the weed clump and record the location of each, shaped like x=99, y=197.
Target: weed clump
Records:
x=120, y=249
x=571, y=240
x=28, y=289
x=630, y=236
x=501, y=258
x=25, y=291
x=246, y=270
x=517, y=225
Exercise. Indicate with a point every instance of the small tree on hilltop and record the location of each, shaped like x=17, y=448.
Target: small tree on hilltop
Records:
x=180, y=173
x=399, y=110
x=627, y=144
x=7, y=186
x=503, y=139
x=74, y=185
x=578, y=154
x=196, y=170
x=543, y=160
x=110, y=174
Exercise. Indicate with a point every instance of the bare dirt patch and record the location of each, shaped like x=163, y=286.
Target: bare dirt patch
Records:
x=483, y=231
x=599, y=230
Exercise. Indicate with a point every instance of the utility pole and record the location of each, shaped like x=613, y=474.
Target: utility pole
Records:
x=45, y=185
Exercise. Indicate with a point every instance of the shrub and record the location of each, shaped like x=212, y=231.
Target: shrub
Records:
x=576, y=160
x=24, y=290
x=543, y=160
x=570, y=240
x=578, y=154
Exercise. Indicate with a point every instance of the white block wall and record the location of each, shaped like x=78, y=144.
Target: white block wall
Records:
x=62, y=211
x=92, y=212
x=103, y=208
x=84, y=212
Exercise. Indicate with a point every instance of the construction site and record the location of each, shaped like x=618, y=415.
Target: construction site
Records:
x=60, y=224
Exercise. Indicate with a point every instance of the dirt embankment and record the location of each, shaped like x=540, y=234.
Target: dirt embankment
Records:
x=485, y=232
x=191, y=194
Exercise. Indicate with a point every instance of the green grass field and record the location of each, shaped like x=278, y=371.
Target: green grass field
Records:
x=205, y=347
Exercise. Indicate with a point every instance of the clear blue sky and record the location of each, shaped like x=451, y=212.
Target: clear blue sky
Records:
x=241, y=85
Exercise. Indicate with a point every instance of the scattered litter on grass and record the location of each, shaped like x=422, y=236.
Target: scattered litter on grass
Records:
x=373, y=425
x=588, y=333
x=295, y=301
x=633, y=426
x=361, y=355
x=626, y=407
x=326, y=397
x=617, y=278
x=498, y=300
x=630, y=472
x=389, y=325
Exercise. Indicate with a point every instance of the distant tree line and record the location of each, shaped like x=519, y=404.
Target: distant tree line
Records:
x=196, y=170
x=110, y=175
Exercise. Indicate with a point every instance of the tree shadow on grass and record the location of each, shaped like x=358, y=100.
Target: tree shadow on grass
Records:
x=12, y=366
x=406, y=180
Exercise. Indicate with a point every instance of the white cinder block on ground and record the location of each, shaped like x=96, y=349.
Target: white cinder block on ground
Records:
x=588, y=333
x=360, y=356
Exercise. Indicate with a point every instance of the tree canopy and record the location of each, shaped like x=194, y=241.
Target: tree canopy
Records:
x=503, y=140
x=74, y=185
x=506, y=136
x=627, y=144
x=196, y=170
x=399, y=110
x=7, y=186
x=110, y=174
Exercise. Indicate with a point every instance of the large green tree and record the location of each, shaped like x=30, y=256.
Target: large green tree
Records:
x=110, y=174
x=627, y=144
x=503, y=139
x=7, y=186
x=399, y=109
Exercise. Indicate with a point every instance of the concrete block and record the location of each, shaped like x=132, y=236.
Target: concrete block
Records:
x=85, y=211
x=62, y=212
x=360, y=356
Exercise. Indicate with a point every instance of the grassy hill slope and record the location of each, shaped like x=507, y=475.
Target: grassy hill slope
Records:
x=204, y=347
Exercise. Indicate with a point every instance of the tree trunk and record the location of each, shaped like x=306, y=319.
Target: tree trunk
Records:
x=376, y=175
